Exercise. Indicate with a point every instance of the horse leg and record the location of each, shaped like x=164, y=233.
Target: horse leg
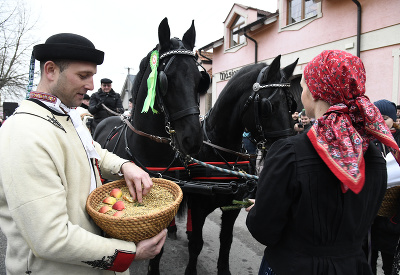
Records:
x=172, y=229
x=154, y=264
x=196, y=240
x=189, y=224
x=226, y=238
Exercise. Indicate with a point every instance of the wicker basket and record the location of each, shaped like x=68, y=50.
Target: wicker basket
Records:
x=136, y=228
x=390, y=202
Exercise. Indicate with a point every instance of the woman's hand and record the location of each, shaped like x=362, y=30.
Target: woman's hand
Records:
x=251, y=206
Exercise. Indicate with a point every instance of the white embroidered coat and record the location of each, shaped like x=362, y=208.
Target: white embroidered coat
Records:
x=44, y=184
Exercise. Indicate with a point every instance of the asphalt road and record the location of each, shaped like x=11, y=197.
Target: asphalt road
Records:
x=245, y=256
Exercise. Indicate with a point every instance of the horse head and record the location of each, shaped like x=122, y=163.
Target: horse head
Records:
x=267, y=113
x=178, y=88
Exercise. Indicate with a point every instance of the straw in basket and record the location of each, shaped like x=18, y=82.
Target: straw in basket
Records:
x=135, y=228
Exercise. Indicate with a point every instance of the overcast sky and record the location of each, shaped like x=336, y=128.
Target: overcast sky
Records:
x=126, y=30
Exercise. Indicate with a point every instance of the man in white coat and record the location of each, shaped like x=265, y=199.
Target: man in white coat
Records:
x=49, y=164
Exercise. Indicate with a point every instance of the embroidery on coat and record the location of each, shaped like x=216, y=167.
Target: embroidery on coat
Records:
x=55, y=122
x=105, y=263
x=52, y=120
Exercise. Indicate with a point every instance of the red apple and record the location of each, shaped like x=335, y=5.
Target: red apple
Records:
x=105, y=209
x=119, y=205
x=119, y=214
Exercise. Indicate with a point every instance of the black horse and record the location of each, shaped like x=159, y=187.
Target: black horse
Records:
x=176, y=125
x=256, y=98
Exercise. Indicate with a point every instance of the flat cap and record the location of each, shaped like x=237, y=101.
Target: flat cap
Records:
x=105, y=80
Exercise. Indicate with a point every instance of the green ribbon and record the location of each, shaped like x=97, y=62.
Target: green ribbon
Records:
x=151, y=84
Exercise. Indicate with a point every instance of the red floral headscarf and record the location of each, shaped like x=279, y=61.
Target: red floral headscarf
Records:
x=342, y=135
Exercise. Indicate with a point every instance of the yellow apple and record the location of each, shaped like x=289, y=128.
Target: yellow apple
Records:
x=110, y=200
x=116, y=193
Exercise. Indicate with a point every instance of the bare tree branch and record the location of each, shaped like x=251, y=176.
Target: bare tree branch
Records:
x=15, y=45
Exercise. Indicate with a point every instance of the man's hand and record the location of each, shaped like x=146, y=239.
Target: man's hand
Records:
x=137, y=180
x=148, y=249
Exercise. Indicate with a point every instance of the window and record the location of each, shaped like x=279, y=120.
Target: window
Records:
x=301, y=9
x=237, y=24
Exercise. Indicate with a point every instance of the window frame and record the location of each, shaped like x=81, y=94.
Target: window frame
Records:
x=302, y=11
x=284, y=13
x=234, y=27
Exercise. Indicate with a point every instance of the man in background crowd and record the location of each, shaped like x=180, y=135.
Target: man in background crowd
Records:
x=104, y=96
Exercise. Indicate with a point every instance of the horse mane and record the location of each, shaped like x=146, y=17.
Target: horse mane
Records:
x=248, y=74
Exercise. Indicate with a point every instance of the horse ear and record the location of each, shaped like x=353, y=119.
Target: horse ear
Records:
x=164, y=34
x=274, y=69
x=189, y=37
x=288, y=70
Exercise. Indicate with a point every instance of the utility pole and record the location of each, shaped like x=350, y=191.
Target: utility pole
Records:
x=129, y=70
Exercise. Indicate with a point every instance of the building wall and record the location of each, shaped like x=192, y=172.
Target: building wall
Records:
x=334, y=28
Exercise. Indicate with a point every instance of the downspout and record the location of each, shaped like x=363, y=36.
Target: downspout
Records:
x=205, y=56
x=358, y=26
x=255, y=46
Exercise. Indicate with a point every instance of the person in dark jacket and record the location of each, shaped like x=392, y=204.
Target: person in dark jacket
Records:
x=385, y=231
x=319, y=192
x=107, y=96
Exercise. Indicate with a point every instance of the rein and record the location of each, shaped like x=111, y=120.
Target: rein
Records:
x=255, y=97
x=242, y=155
x=209, y=143
x=152, y=137
x=109, y=110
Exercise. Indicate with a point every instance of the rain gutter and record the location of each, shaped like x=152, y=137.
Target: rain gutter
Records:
x=358, y=26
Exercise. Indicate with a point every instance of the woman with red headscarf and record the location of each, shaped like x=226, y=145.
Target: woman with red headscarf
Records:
x=319, y=193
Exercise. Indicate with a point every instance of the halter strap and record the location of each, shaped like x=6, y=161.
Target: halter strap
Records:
x=179, y=51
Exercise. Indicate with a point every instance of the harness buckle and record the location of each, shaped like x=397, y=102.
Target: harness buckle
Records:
x=256, y=86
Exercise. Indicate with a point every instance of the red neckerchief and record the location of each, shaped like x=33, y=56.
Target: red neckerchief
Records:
x=342, y=135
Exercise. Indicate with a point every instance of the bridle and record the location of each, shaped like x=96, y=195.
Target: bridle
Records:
x=161, y=91
x=255, y=98
x=193, y=110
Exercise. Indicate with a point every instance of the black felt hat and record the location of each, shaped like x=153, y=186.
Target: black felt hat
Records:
x=105, y=80
x=68, y=46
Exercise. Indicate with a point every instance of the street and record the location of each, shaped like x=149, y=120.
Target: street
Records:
x=245, y=256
